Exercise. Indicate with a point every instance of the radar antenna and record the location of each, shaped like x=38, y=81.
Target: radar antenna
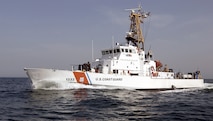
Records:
x=135, y=34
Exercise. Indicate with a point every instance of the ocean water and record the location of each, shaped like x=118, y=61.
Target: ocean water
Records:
x=18, y=101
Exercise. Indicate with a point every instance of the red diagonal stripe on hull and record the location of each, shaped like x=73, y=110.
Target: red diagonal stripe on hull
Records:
x=81, y=77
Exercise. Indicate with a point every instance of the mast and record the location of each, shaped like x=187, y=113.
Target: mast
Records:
x=92, y=52
x=135, y=34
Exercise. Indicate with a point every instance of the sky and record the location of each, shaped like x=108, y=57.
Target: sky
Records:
x=59, y=33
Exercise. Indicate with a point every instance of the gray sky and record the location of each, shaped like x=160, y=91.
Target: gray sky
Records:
x=58, y=33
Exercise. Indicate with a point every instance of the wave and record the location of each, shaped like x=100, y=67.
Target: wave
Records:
x=206, y=86
x=62, y=85
x=55, y=85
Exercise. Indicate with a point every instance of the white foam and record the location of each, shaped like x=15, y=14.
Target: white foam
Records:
x=62, y=85
x=179, y=90
x=206, y=86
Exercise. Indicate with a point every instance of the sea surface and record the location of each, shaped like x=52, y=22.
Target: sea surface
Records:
x=18, y=101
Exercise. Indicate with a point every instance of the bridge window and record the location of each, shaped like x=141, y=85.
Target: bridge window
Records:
x=122, y=50
x=107, y=52
x=114, y=51
x=118, y=50
x=115, y=71
x=110, y=51
x=103, y=53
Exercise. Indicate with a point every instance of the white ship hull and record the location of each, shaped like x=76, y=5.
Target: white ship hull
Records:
x=40, y=76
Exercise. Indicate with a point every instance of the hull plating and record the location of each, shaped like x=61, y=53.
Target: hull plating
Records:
x=70, y=78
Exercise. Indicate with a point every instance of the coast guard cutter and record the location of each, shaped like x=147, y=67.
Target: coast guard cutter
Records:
x=122, y=66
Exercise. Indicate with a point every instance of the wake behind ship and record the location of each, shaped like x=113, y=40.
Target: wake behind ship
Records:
x=122, y=66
